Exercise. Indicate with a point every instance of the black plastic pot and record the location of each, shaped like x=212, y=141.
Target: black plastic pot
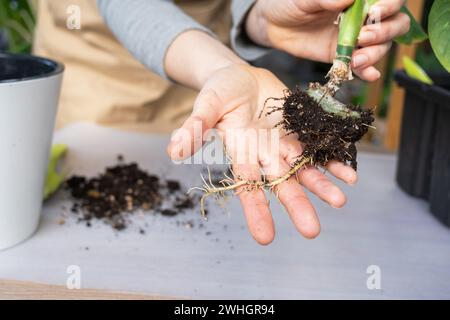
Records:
x=423, y=168
x=3, y=41
x=440, y=176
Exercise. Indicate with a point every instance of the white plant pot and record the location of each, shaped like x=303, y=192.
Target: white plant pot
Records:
x=29, y=93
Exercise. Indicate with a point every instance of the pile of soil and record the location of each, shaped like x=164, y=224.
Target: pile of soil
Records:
x=122, y=190
x=325, y=136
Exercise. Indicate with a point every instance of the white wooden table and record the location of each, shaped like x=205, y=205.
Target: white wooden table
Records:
x=380, y=225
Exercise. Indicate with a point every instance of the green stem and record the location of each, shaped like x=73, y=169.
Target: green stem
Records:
x=328, y=103
x=350, y=26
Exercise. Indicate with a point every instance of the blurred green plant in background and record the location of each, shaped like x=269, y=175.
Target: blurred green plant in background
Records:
x=424, y=57
x=17, y=21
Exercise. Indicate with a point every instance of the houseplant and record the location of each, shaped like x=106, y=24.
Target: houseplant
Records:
x=17, y=21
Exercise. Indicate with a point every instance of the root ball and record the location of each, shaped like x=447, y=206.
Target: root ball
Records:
x=325, y=136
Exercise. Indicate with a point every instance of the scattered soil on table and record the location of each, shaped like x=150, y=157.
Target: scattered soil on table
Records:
x=123, y=190
x=324, y=136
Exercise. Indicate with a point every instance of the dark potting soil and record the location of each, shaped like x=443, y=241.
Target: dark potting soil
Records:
x=324, y=136
x=122, y=190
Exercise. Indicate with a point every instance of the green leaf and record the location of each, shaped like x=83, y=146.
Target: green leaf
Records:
x=17, y=21
x=416, y=34
x=439, y=29
x=415, y=71
x=54, y=179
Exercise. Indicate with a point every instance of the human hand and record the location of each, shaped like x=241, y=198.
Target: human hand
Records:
x=231, y=101
x=307, y=29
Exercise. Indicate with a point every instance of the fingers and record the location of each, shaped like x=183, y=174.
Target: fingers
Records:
x=370, y=74
x=385, y=8
x=385, y=31
x=189, y=138
x=376, y=38
x=318, y=183
x=293, y=198
x=334, y=5
x=255, y=206
x=369, y=56
x=363, y=60
x=290, y=148
x=343, y=172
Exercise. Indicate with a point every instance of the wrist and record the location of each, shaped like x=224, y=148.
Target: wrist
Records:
x=256, y=26
x=223, y=58
x=194, y=56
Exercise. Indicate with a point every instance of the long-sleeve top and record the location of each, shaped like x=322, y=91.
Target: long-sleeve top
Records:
x=148, y=27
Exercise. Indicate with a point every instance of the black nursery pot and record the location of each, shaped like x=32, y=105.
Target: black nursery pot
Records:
x=423, y=168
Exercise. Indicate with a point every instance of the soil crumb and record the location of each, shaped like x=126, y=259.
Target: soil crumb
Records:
x=324, y=136
x=114, y=195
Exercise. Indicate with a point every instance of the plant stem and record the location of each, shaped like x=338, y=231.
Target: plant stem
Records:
x=350, y=26
x=328, y=103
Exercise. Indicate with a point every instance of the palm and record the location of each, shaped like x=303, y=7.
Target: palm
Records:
x=242, y=91
x=231, y=101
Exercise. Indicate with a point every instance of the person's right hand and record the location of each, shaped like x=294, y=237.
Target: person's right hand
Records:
x=230, y=101
x=307, y=29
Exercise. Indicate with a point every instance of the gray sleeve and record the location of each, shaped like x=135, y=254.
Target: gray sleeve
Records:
x=147, y=27
x=242, y=45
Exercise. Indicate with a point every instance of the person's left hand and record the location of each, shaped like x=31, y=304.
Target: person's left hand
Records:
x=307, y=29
x=231, y=101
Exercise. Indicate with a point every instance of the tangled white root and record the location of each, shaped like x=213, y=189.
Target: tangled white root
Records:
x=338, y=74
x=242, y=185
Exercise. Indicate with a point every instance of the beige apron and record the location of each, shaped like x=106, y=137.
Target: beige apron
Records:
x=103, y=83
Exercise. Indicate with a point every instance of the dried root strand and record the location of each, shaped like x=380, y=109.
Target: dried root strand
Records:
x=303, y=161
x=338, y=74
x=239, y=185
x=273, y=109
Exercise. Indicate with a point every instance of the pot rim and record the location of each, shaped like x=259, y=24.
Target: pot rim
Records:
x=435, y=92
x=57, y=68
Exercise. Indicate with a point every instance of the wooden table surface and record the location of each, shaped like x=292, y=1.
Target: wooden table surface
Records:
x=380, y=226
x=25, y=290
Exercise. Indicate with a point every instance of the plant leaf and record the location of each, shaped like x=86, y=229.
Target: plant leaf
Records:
x=17, y=22
x=439, y=29
x=54, y=179
x=415, y=71
x=416, y=34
